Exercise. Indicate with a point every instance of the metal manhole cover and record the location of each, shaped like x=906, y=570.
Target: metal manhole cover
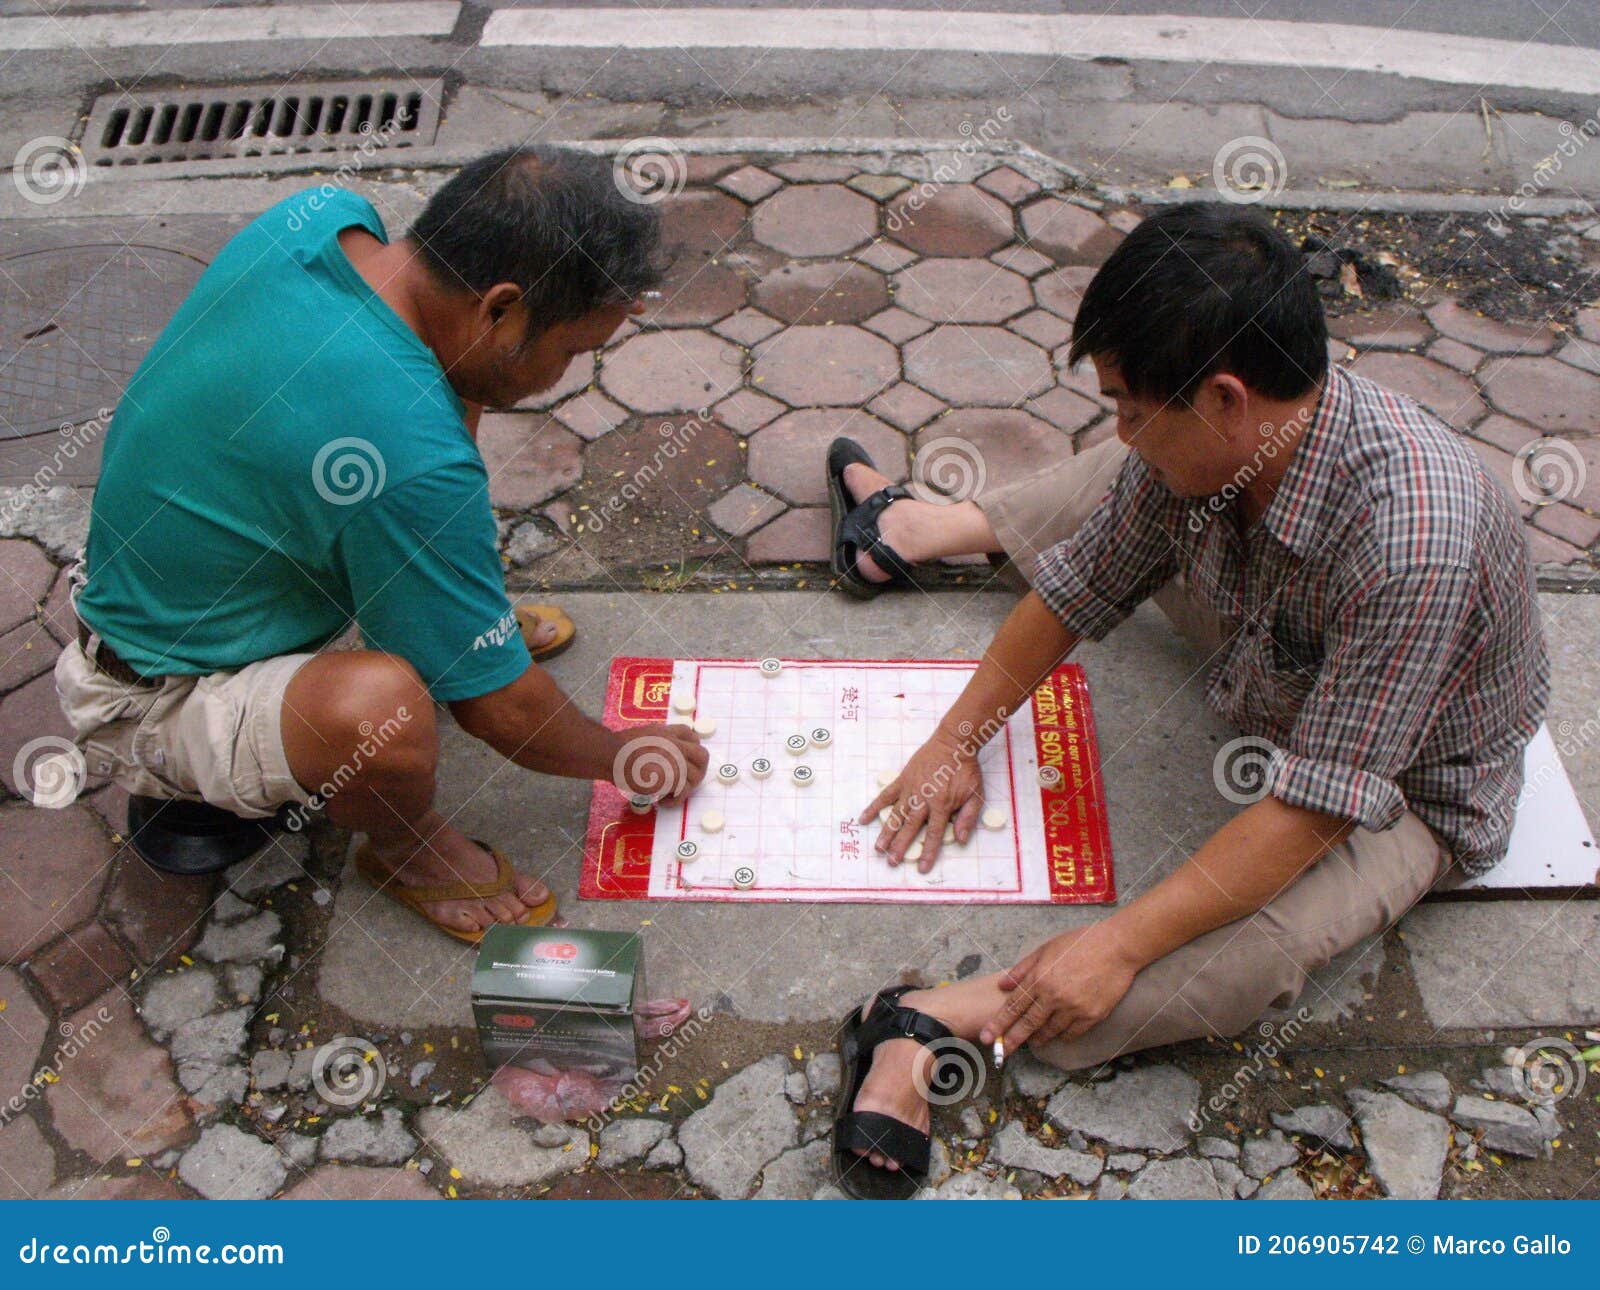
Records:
x=75, y=322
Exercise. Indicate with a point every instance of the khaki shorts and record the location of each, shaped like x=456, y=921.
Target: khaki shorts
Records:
x=216, y=738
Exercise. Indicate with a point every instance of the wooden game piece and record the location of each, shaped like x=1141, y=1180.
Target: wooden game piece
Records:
x=683, y=704
x=705, y=726
x=821, y=737
x=711, y=822
x=802, y=775
x=914, y=851
x=744, y=877
x=796, y=744
x=1050, y=776
x=761, y=768
x=771, y=667
x=640, y=803
x=688, y=849
x=994, y=817
x=727, y=772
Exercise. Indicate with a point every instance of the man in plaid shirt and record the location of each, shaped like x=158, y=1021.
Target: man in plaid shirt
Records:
x=1363, y=600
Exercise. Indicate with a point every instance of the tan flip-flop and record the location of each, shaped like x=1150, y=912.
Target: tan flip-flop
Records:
x=530, y=616
x=415, y=898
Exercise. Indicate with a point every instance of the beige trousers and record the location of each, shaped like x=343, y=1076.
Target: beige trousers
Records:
x=1221, y=982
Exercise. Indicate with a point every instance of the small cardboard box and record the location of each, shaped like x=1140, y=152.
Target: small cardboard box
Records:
x=563, y=996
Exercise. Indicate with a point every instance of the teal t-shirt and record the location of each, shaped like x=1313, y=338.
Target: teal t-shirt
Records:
x=287, y=458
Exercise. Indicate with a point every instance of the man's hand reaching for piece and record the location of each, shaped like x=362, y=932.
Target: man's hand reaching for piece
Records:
x=940, y=785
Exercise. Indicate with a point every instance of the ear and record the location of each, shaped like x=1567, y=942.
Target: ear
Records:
x=1228, y=398
x=499, y=301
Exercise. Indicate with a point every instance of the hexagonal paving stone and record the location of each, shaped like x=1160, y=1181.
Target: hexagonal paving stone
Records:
x=116, y=1097
x=896, y=325
x=963, y=290
x=1448, y=395
x=824, y=366
x=887, y=257
x=751, y=183
x=31, y=723
x=879, y=187
x=1489, y=335
x=1545, y=393
x=81, y=966
x=815, y=170
x=746, y=411
x=1387, y=327
x=671, y=371
x=1060, y=292
x=25, y=578
x=906, y=406
x=530, y=458
x=55, y=863
x=815, y=219
x=789, y=457
x=795, y=536
x=742, y=510
x=1569, y=524
x=26, y=651
x=578, y=376
x=1065, y=409
x=747, y=326
x=707, y=167
x=24, y=1030
x=27, y=1165
x=158, y=914
x=699, y=222
x=978, y=366
x=590, y=414
x=958, y=219
x=1452, y=353
x=1022, y=259
x=1000, y=445
x=1009, y=186
x=1042, y=327
x=694, y=293
x=823, y=291
x=1068, y=233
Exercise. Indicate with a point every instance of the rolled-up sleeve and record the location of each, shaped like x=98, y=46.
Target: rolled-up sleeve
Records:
x=1122, y=555
x=1394, y=655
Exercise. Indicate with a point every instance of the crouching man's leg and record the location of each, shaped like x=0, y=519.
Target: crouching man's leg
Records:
x=363, y=724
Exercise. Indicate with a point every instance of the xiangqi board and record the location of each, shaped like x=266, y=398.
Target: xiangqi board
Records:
x=810, y=740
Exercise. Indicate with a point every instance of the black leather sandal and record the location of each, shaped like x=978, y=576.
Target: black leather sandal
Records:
x=855, y=1131
x=855, y=527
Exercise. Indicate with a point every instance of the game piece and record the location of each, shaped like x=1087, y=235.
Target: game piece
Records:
x=1049, y=776
x=999, y=1053
x=914, y=852
x=994, y=817
x=683, y=704
x=821, y=737
x=770, y=667
x=761, y=768
x=640, y=803
x=949, y=833
x=704, y=726
x=711, y=822
x=887, y=777
x=802, y=775
x=744, y=877
x=688, y=849
x=727, y=772
x=796, y=744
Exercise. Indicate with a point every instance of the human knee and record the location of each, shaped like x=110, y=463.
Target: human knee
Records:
x=385, y=714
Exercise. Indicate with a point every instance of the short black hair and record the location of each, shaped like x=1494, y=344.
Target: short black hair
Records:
x=1200, y=288
x=554, y=221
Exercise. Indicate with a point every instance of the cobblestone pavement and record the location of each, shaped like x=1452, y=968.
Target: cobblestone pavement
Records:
x=157, y=1037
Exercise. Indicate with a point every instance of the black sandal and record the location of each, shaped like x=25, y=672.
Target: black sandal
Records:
x=855, y=527
x=855, y=1131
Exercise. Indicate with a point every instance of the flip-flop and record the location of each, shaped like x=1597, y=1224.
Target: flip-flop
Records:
x=530, y=616
x=414, y=898
x=855, y=527
x=856, y=1131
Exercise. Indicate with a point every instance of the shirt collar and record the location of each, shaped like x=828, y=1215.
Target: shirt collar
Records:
x=1297, y=516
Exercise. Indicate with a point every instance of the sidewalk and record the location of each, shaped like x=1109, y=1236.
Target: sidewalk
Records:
x=165, y=1033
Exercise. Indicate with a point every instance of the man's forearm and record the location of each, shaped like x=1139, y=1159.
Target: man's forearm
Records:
x=532, y=723
x=1239, y=869
x=1030, y=642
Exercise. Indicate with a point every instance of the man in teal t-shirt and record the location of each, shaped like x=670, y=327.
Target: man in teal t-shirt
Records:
x=298, y=452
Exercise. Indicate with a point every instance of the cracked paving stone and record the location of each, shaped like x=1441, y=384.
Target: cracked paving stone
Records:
x=228, y=1164
x=1428, y=1089
x=247, y=942
x=624, y=1141
x=279, y=862
x=372, y=1139
x=1015, y=1149
x=490, y=1144
x=1267, y=1154
x=1286, y=1186
x=1405, y=1146
x=56, y=518
x=1149, y=1107
x=1218, y=1148
x=823, y=1074
x=174, y=998
x=1505, y=1127
x=798, y=1172
x=1326, y=1124
x=1182, y=1179
x=1032, y=1077
x=666, y=1155
x=747, y=1123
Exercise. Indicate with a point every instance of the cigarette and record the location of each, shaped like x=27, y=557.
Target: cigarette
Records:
x=999, y=1053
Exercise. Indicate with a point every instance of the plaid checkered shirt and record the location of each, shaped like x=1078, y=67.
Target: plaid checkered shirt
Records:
x=1388, y=643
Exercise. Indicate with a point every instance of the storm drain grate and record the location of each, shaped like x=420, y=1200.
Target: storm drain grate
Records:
x=254, y=121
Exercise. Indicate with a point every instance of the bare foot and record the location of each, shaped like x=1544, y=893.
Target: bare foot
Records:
x=540, y=635
x=450, y=856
